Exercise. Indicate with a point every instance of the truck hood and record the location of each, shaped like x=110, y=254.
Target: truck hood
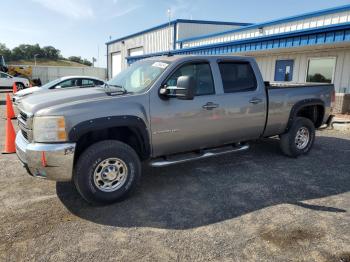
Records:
x=29, y=91
x=35, y=102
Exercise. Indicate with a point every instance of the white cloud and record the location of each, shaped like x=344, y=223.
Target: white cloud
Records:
x=183, y=8
x=76, y=9
x=124, y=7
x=125, y=11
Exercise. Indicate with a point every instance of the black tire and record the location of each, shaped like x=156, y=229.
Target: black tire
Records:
x=20, y=86
x=287, y=140
x=92, y=157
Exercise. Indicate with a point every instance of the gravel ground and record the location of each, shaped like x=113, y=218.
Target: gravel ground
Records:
x=252, y=206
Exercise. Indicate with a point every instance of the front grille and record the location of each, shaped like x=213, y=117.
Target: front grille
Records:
x=25, y=134
x=24, y=116
x=25, y=124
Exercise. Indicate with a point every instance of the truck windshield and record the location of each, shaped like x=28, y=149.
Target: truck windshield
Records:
x=138, y=77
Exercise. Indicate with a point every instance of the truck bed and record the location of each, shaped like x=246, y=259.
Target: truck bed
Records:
x=276, y=85
x=283, y=96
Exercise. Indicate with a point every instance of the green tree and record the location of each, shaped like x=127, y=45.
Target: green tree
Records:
x=51, y=53
x=76, y=59
x=87, y=62
x=6, y=52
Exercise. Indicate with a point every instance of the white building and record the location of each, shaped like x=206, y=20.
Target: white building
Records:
x=161, y=38
x=312, y=47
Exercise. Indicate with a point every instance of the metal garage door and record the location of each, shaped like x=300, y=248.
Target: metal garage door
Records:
x=136, y=51
x=116, y=63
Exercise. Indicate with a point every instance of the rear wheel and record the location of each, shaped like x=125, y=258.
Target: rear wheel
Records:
x=299, y=139
x=107, y=172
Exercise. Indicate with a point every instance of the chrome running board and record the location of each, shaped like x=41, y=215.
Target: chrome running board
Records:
x=181, y=158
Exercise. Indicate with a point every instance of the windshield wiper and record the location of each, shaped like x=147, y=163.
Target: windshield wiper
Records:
x=122, y=89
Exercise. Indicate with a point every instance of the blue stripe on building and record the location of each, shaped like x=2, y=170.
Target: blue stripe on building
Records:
x=308, y=37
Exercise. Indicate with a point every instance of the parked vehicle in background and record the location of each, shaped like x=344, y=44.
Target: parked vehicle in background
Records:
x=3, y=66
x=166, y=110
x=7, y=81
x=60, y=83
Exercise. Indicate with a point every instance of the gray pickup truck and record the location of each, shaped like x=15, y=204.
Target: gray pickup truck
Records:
x=163, y=110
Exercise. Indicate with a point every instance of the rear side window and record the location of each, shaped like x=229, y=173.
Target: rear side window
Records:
x=237, y=77
x=87, y=83
x=201, y=72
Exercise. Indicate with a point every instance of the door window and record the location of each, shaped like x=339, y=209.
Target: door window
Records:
x=237, y=77
x=68, y=83
x=3, y=75
x=87, y=83
x=202, y=75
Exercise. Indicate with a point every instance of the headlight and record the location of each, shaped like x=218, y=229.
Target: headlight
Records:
x=49, y=129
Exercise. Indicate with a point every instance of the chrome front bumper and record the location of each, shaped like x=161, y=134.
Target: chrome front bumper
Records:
x=51, y=161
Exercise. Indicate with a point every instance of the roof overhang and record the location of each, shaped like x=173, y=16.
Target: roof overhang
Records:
x=339, y=33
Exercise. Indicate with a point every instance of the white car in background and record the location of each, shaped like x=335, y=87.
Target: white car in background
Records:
x=60, y=83
x=7, y=81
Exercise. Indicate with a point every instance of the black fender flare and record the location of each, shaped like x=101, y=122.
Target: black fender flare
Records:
x=299, y=105
x=103, y=123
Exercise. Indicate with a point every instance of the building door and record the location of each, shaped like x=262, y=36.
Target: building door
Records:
x=284, y=70
x=116, y=63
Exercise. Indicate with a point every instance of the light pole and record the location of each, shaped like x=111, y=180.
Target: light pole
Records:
x=35, y=58
x=169, y=17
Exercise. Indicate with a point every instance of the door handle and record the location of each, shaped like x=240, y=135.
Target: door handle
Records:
x=210, y=106
x=255, y=100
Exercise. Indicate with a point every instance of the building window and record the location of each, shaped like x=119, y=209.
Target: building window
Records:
x=321, y=70
x=135, y=51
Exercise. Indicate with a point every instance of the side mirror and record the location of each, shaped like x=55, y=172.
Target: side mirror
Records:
x=185, y=88
x=58, y=87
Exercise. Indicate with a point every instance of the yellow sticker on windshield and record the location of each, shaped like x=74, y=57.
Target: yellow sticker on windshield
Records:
x=160, y=65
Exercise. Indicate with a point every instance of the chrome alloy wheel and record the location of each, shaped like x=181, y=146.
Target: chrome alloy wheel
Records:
x=110, y=174
x=302, y=138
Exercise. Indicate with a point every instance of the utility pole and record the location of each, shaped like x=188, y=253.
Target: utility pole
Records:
x=35, y=59
x=169, y=18
x=98, y=55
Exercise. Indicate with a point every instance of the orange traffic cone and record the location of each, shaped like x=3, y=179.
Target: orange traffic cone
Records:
x=14, y=88
x=10, y=138
x=10, y=113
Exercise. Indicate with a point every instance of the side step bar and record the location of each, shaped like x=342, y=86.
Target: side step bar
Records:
x=176, y=159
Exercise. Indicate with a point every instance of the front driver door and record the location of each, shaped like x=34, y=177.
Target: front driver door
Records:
x=185, y=125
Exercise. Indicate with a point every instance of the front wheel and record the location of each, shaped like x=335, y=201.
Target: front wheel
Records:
x=299, y=139
x=107, y=172
x=20, y=86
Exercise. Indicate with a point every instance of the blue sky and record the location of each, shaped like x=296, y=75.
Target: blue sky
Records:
x=81, y=27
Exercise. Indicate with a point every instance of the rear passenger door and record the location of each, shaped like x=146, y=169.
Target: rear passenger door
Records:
x=243, y=101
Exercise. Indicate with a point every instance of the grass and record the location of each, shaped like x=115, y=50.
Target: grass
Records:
x=45, y=62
